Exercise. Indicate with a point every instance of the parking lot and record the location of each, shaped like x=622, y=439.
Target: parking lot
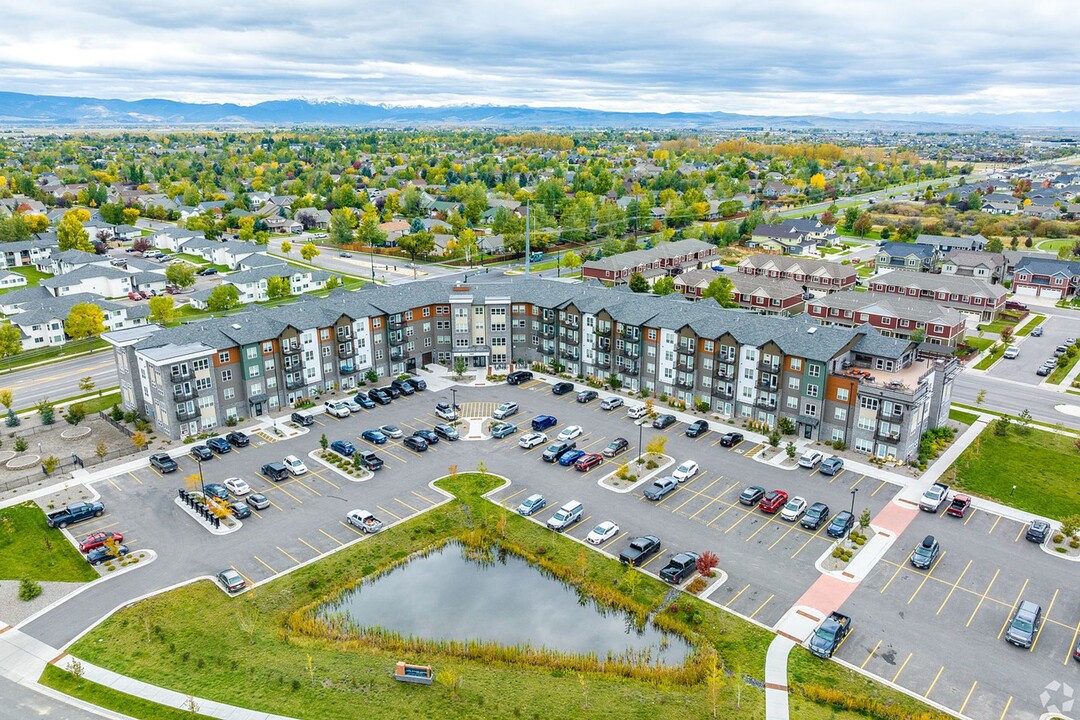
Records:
x=1035, y=350
x=936, y=633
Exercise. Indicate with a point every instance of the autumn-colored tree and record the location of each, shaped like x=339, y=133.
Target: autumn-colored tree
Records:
x=309, y=251
x=70, y=234
x=84, y=320
x=571, y=260
x=862, y=225
x=36, y=223
x=817, y=181
x=286, y=247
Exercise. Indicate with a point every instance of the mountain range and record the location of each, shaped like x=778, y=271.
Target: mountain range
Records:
x=18, y=109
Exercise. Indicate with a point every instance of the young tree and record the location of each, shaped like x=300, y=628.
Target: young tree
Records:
x=75, y=414
x=47, y=412
x=162, y=309
x=309, y=252
x=223, y=297
x=333, y=282
x=459, y=366
x=862, y=225
x=87, y=384
x=342, y=226
x=6, y=398
x=638, y=283
x=571, y=260
x=369, y=232
x=180, y=274
x=84, y=320
x=141, y=245
x=719, y=289
x=138, y=439
x=664, y=285
x=10, y=340
x=656, y=445
x=286, y=247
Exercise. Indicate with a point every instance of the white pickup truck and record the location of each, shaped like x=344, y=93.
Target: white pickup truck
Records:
x=364, y=521
x=933, y=498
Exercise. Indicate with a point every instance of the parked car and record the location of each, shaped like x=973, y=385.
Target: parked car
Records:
x=570, y=457
x=934, y=496
x=392, y=391
x=815, y=515
x=275, y=471
x=303, y=418
x=831, y=466
x=238, y=439
x=588, y=462
x=531, y=440
x=830, y=635
x=232, y=581
x=258, y=501
x=96, y=540
x=660, y=488
x=841, y=524
x=364, y=521
x=959, y=506
x=566, y=516
x=773, y=501
x=557, y=449
x=201, y=452
x=570, y=432
x=354, y=407
x=104, y=553
x=731, y=439
x=417, y=384
x=611, y=403
x=810, y=459
x=237, y=486
x=430, y=437
x=208, y=271
x=927, y=551
x=343, y=447
x=294, y=465
x=752, y=495
x=505, y=410
x=685, y=471
x=793, y=509
x=518, y=377
x=1037, y=332
x=639, y=550
x=239, y=509
x=679, y=567
x=162, y=462
x=586, y=396
x=616, y=447
x=445, y=412
x=134, y=296
x=1045, y=370
x=369, y=460
x=219, y=445
x=382, y=397
x=532, y=505
x=216, y=490
x=1015, y=305
x=1011, y=352
x=392, y=431
x=636, y=413
x=1024, y=624
x=364, y=401
x=602, y=533
x=404, y=386
x=562, y=388
x=663, y=421
x=446, y=432
x=336, y=408
x=501, y=430
x=1037, y=531
x=697, y=428
x=543, y=422
x=373, y=436
x=416, y=444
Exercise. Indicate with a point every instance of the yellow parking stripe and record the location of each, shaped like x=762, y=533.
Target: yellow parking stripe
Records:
x=968, y=698
x=331, y=484
x=883, y=484
x=265, y=564
x=1009, y=702
x=331, y=536
x=715, y=499
x=1018, y=596
x=996, y=521
x=402, y=502
x=897, y=675
x=616, y=539
x=113, y=483
x=1019, y=532
x=870, y=655
x=347, y=526
x=728, y=603
x=654, y=558
x=396, y=517
x=953, y=588
x=136, y=478
x=803, y=546
x=287, y=555
x=511, y=497
x=1072, y=645
x=983, y=597
x=745, y=515
x=936, y=677
x=788, y=532
x=432, y=502
x=317, y=550
x=927, y=575
x=246, y=578
x=304, y=485
x=753, y=450
x=761, y=607
x=1046, y=617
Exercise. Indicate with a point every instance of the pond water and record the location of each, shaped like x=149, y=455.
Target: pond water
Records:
x=449, y=596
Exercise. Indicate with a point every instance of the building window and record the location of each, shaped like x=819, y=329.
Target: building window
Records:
x=268, y=347
x=223, y=356
x=652, y=334
x=813, y=370
x=842, y=394
x=868, y=403
x=426, y=312
x=838, y=435
x=252, y=352
x=226, y=375
x=408, y=314
x=202, y=384
x=796, y=364
x=794, y=383
x=840, y=414
x=229, y=393
x=253, y=371
x=810, y=410
x=812, y=391
x=200, y=364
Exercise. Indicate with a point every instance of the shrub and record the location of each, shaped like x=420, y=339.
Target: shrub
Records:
x=706, y=562
x=839, y=445
x=697, y=585
x=652, y=464
x=116, y=413
x=702, y=406
x=29, y=589
x=1074, y=543
x=1059, y=538
x=20, y=444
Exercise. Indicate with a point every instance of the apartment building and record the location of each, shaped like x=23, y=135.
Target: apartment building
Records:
x=892, y=315
x=666, y=258
x=852, y=384
x=966, y=294
x=815, y=274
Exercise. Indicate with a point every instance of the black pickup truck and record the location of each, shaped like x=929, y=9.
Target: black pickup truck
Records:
x=74, y=513
x=639, y=549
x=830, y=634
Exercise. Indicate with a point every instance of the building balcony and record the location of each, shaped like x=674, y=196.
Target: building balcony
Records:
x=290, y=348
x=686, y=350
x=766, y=383
x=345, y=350
x=765, y=403
x=894, y=416
x=185, y=413
x=631, y=369
x=889, y=437
x=569, y=353
x=397, y=355
x=631, y=351
x=181, y=375
x=724, y=372
x=547, y=331
x=183, y=394
x=396, y=338
x=395, y=324
x=603, y=344
x=769, y=367
x=687, y=383
x=631, y=334
x=685, y=363
x=546, y=349
x=293, y=382
x=347, y=369
x=723, y=392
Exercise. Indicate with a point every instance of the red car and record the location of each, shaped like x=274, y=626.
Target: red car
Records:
x=773, y=501
x=133, y=296
x=959, y=506
x=98, y=539
x=588, y=462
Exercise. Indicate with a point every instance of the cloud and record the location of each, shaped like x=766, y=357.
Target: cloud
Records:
x=770, y=56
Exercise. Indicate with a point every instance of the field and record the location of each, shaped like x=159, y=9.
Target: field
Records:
x=32, y=550
x=285, y=663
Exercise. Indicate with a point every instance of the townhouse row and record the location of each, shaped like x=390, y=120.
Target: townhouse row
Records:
x=874, y=393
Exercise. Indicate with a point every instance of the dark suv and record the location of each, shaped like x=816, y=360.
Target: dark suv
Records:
x=562, y=388
x=519, y=376
x=815, y=515
x=697, y=428
x=403, y=386
x=1024, y=625
x=275, y=471
x=1037, y=531
x=556, y=450
x=380, y=396
x=163, y=463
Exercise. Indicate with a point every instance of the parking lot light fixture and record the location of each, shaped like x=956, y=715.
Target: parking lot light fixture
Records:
x=639, y=427
x=1012, y=491
x=453, y=391
x=853, y=491
x=202, y=483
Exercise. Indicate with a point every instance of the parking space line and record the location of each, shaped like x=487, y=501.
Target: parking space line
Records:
x=722, y=512
x=856, y=483
x=265, y=564
x=745, y=515
x=579, y=522
x=113, y=483
x=761, y=607
x=1018, y=596
x=983, y=597
x=615, y=539
x=1019, y=532
x=968, y=698
x=430, y=502
x=899, y=567
x=767, y=523
x=904, y=665
x=1007, y=704
x=287, y=555
x=927, y=576
x=319, y=475
x=304, y=485
x=871, y=654
x=883, y=484
x=751, y=451
x=331, y=536
x=347, y=526
x=654, y=557
x=1046, y=619
x=154, y=470
x=246, y=578
x=1072, y=645
x=317, y=550
x=728, y=603
x=936, y=677
x=803, y=546
x=698, y=493
x=786, y=533
x=715, y=499
x=136, y=478
x=397, y=517
x=996, y=521
x=319, y=421
x=953, y=588
x=511, y=497
x=402, y=502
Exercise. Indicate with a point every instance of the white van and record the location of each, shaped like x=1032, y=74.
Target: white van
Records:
x=566, y=516
x=1011, y=352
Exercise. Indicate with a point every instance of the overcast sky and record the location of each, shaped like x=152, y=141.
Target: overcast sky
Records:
x=761, y=56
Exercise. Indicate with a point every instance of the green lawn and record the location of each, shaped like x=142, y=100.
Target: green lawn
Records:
x=193, y=259
x=1043, y=466
x=1055, y=245
x=961, y=416
x=106, y=697
x=978, y=343
x=289, y=665
x=32, y=274
x=995, y=354
x=1000, y=324
x=96, y=403
x=31, y=549
x=1060, y=372
x=1031, y=325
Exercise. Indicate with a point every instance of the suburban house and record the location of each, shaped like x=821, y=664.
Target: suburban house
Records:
x=1046, y=277
x=280, y=225
x=253, y=284
x=892, y=315
x=172, y=239
x=782, y=238
x=966, y=294
x=666, y=258
x=97, y=280
x=906, y=256
x=41, y=321
x=9, y=279
x=318, y=218
x=753, y=292
x=944, y=244
x=24, y=253
x=982, y=265
x=815, y=274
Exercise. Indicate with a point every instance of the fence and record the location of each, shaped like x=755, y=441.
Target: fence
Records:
x=66, y=465
x=116, y=424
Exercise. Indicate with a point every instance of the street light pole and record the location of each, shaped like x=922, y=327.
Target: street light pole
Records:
x=454, y=393
x=371, y=259
x=639, y=427
x=202, y=483
x=853, y=491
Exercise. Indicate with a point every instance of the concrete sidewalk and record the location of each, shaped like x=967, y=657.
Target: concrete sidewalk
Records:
x=776, y=687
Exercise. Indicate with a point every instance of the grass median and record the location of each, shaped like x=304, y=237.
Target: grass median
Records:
x=256, y=651
x=30, y=549
x=996, y=351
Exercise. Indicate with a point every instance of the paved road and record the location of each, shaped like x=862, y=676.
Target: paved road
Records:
x=1012, y=397
x=59, y=380
x=21, y=703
